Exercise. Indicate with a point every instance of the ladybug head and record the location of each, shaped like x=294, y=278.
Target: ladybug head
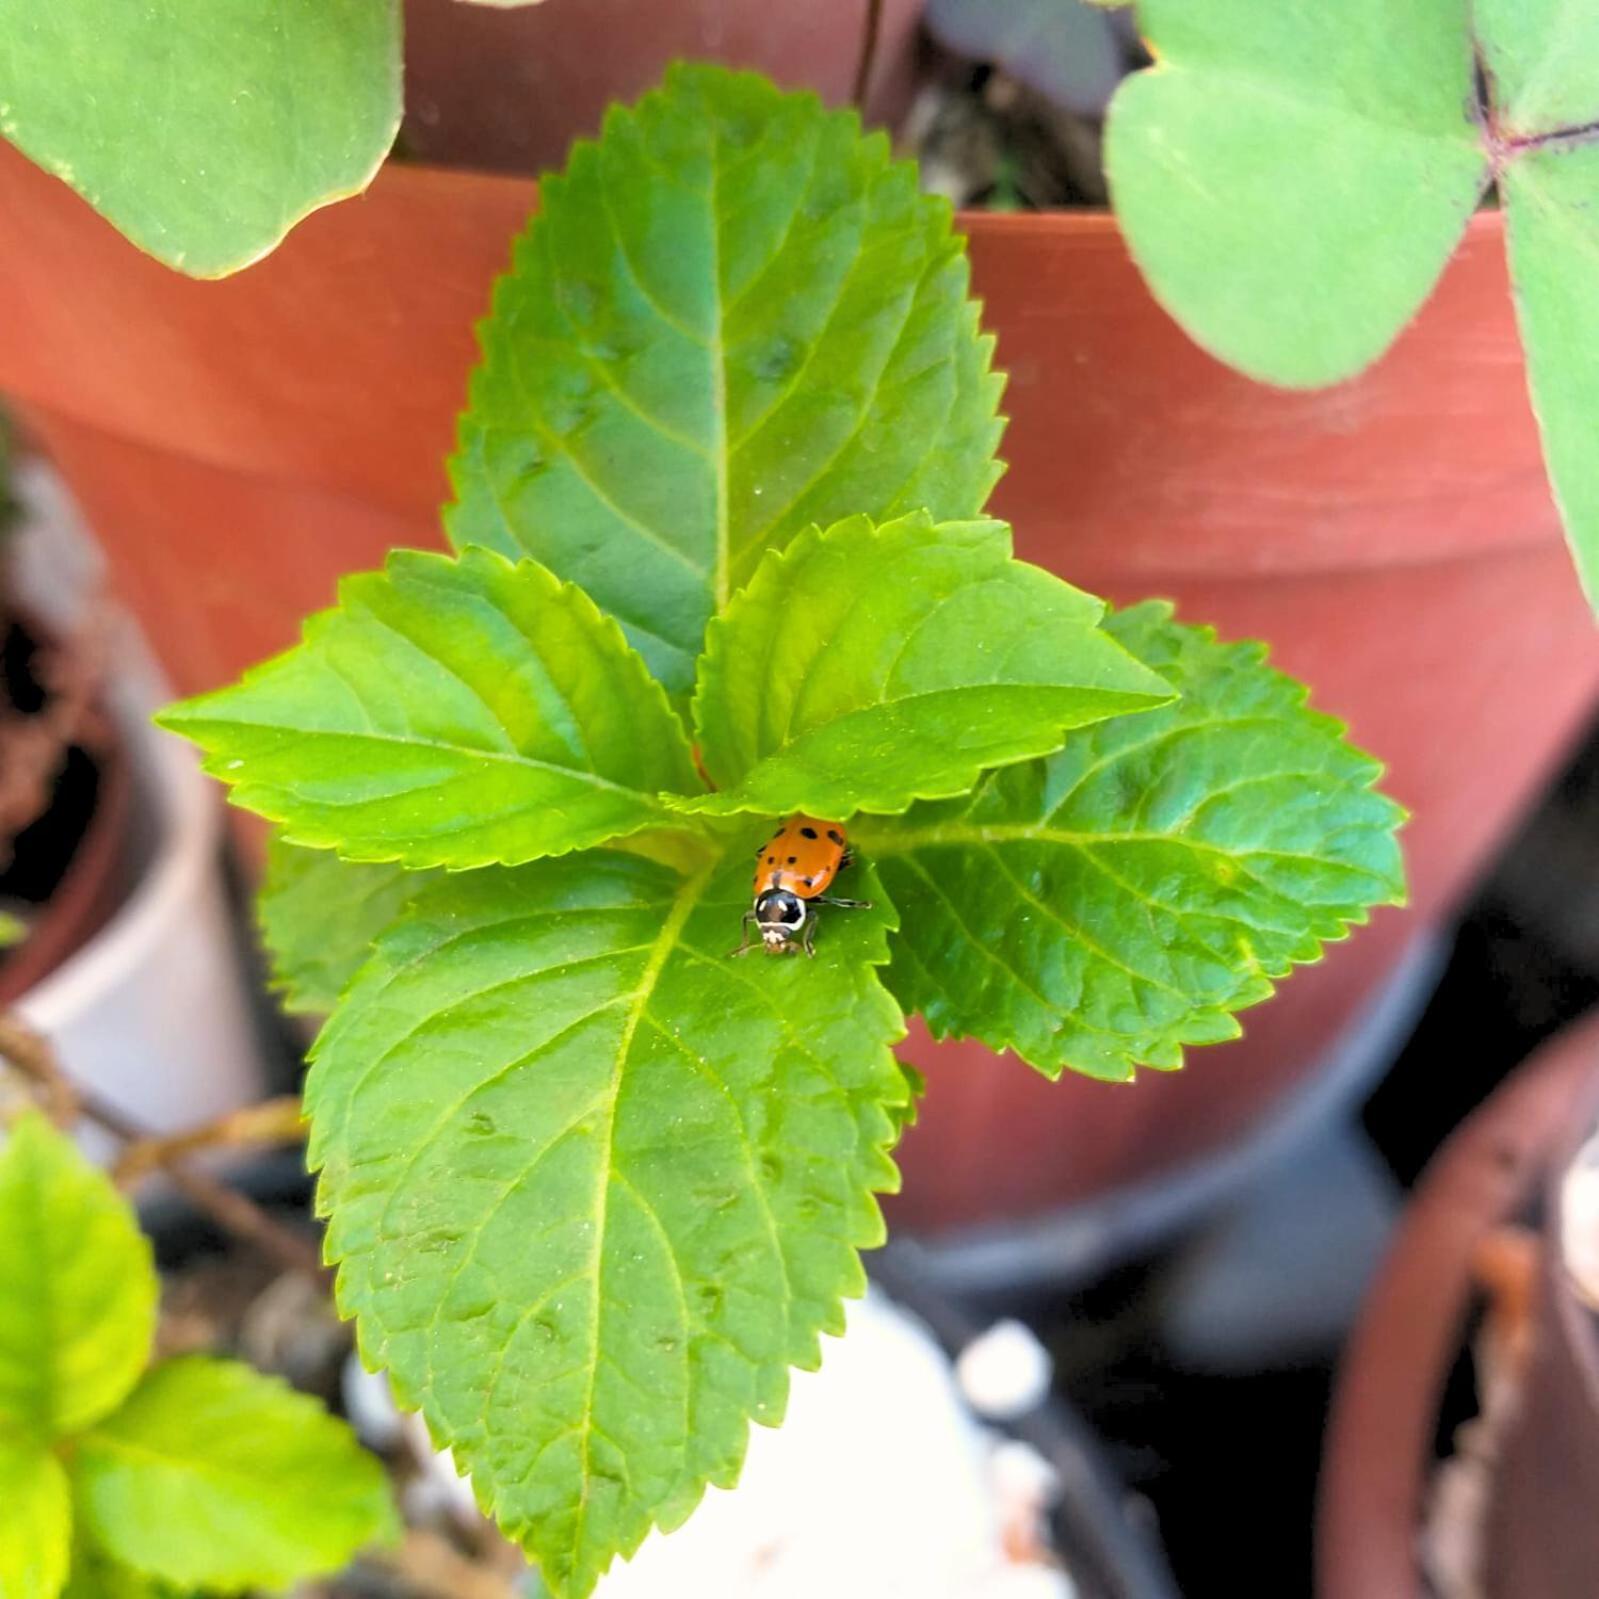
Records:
x=780, y=915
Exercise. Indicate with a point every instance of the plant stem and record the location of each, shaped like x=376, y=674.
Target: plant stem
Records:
x=32, y=1056
x=272, y=1122
x=869, y=37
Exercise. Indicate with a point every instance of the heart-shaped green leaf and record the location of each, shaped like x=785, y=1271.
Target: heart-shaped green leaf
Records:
x=594, y=1186
x=1538, y=60
x=35, y=1521
x=203, y=132
x=866, y=667
x=1538, y=57
x=1291, y=177
x=212, y=1476
x=77, y=1287
x=1551, y=198
x=732, y=317
x=450, y=712
x=320, y=916
x=1105, y=907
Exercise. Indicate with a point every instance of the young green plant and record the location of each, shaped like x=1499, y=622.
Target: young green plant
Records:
x=116, y=1475
x=594, y=1187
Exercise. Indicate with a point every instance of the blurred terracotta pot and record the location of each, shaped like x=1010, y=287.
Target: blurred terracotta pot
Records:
x=507, y=89
x=1539, y=1537
x=239, y=444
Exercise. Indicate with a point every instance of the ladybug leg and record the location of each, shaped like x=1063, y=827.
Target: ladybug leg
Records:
x=808, y=937
x=846, y=860
x=844, y=904
x=744, y=945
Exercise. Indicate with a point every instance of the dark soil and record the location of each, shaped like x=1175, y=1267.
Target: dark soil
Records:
x=50, y=727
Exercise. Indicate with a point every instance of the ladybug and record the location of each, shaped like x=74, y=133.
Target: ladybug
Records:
x=792, y=873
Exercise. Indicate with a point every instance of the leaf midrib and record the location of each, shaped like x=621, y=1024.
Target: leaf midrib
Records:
x=688, y=897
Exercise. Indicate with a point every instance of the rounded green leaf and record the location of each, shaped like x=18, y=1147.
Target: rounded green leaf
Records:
x=1110, y=905
x=35, y=1521
x=869, y=666
x=214, y=1476
x=203, y=132
x=77, y=1286
x=594, y=1186
x=1551, y=198
x=451, y=712
x=1291, y=177
x=733, y=316
x=1538, y=58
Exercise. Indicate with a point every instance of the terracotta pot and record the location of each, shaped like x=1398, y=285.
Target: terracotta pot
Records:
x=507, y=90
x=1542, y=1534
x=1384, y=1422
x=238, y=444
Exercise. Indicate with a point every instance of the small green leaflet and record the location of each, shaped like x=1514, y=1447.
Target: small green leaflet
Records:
x=214, y=1476
x=1538, y=57
x=594, y=1187
x=866, y=667
x=1292, y=177
x=203, y=131
x=733, y=317
x=450, y=712
x=35, y=1520
x=1115, y=902
x=1552, y=216
x=319, y=917
x=77, y=1287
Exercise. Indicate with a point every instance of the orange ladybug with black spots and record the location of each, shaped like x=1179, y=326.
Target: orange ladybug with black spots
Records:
x=793, y=872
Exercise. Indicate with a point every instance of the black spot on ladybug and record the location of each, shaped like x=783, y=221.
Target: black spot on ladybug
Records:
x=807, y=832
x=792, y=859
x=836, y=836
x=771, y=860
x=807, y=881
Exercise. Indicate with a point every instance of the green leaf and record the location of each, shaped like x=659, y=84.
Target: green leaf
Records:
x=203, y=132
x=12, y=930
x=450, y=712
x=1291, y=177
x=732, y=317
x=593, y=1186
x=866, y=667
x=1551, y=200
x=35, y=1521
x=215, y=1476
x=1105, y=907
x=319, y=917
x=77, y=1286
x=95, y=1575
x=1538, y=57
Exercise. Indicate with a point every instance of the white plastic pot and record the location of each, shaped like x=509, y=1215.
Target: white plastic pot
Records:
x=153, y=1013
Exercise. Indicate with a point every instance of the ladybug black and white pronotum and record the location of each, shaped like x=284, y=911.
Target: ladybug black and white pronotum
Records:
x=792, y=875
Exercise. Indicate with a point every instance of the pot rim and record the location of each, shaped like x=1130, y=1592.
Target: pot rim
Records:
x=1091, y=221
x=1384, y=1410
